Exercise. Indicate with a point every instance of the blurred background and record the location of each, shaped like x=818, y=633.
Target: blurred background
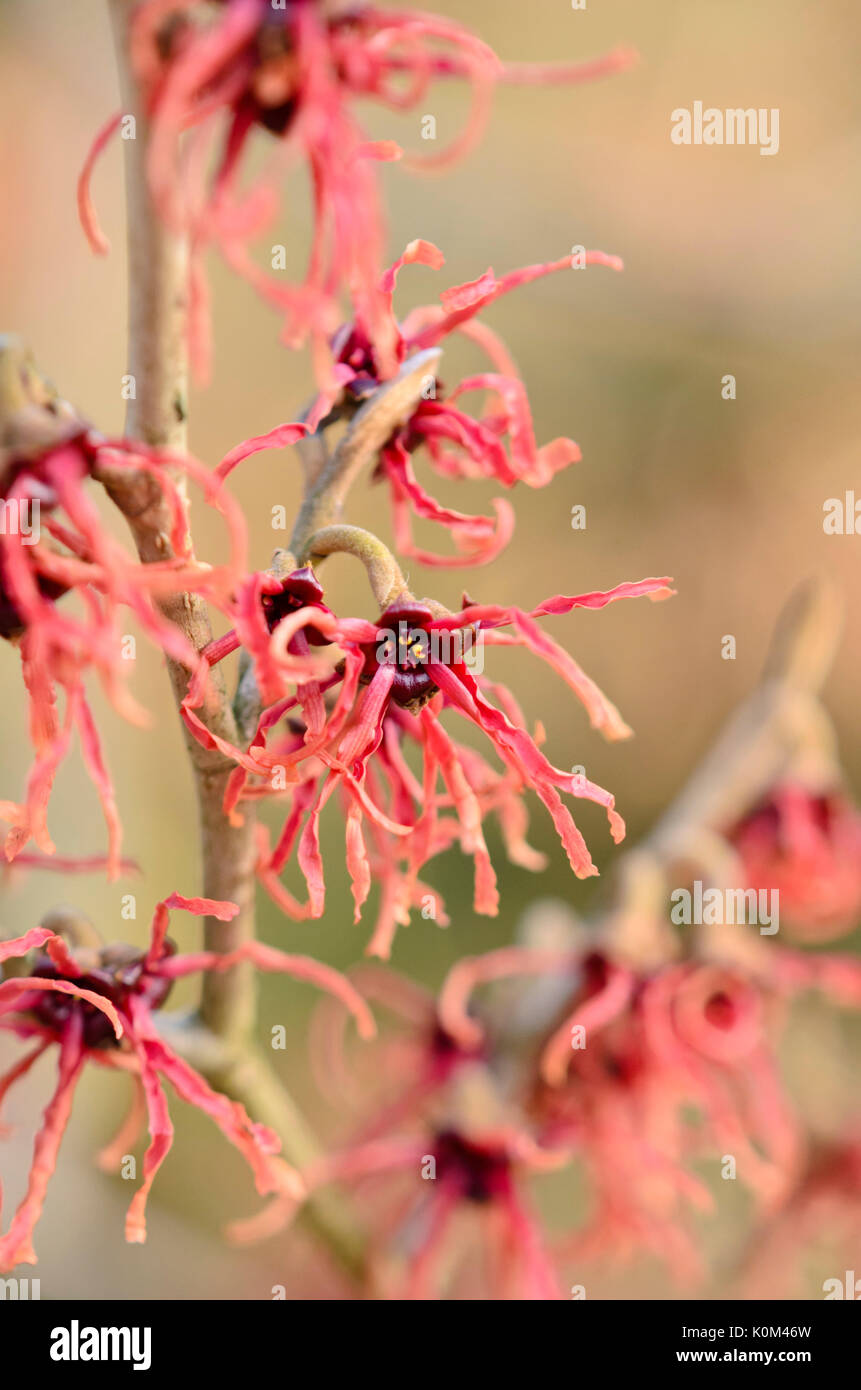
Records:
x=735, y=264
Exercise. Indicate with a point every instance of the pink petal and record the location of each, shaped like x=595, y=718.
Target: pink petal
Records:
x=86, y=211
x=655, y=589
x=357, y=860
x=161, y=1140
x=16, y=1247
x=546, y=74
x=593, y=1014
x=269, y=959
x=11, y=992
x=463, y=302
x=255, y=1142
x=63, y=959
x=20, y=945
x=463, y=978
x=110, y=1157
x=278, y=438
x=603, y=714
x=486, y=899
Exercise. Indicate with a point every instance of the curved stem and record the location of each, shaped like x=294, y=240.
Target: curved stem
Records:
x=384, y=573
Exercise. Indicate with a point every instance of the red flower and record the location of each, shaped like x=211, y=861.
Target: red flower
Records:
x=296, y=71
x=807, y=847
x=648, y=1072
x=96, y=1004
x=473, y=1173
x=500, y=445
x=58, y=644
x=260, y=603
x=397, y=677
x=676, y=1067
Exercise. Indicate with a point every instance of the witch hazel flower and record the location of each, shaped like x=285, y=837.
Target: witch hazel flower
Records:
x=805, y=845
x=95, y=1004
x=260, y=602
x=212, y=75
x=449, y=1198
x=498, y=445
x=397, y=677
x=479, y=1190
x=604, y=1106
x=48, y=461
x=636, y=1056
x=56, y=647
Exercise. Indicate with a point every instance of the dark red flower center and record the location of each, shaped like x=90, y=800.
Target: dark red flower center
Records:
x=482, y=1172
x=11, y=622
x=273, y=94
x=116, y=983
x=622, y=1066
x=300, y=589
x=720, y=1011
x=447, y=1053
x=353, y=348
x=406, y=645
x=595, y=972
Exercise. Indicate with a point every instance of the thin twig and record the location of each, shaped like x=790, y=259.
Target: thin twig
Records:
x=781, y=727
x=158, y=362
x=371, y=428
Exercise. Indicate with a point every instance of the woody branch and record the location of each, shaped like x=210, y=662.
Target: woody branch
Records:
x=220, y=1040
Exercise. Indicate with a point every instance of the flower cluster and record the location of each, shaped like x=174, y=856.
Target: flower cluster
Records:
x=217, y=74
x=651, y=1079
x=95, y=1003
x=647, y=1067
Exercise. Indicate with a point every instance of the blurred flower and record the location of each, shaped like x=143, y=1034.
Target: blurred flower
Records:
x=673, y=1069
x=95, y=1003
x=469, y=1226
x=649, y=1073
x=692, y=1039
x=806, y=846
